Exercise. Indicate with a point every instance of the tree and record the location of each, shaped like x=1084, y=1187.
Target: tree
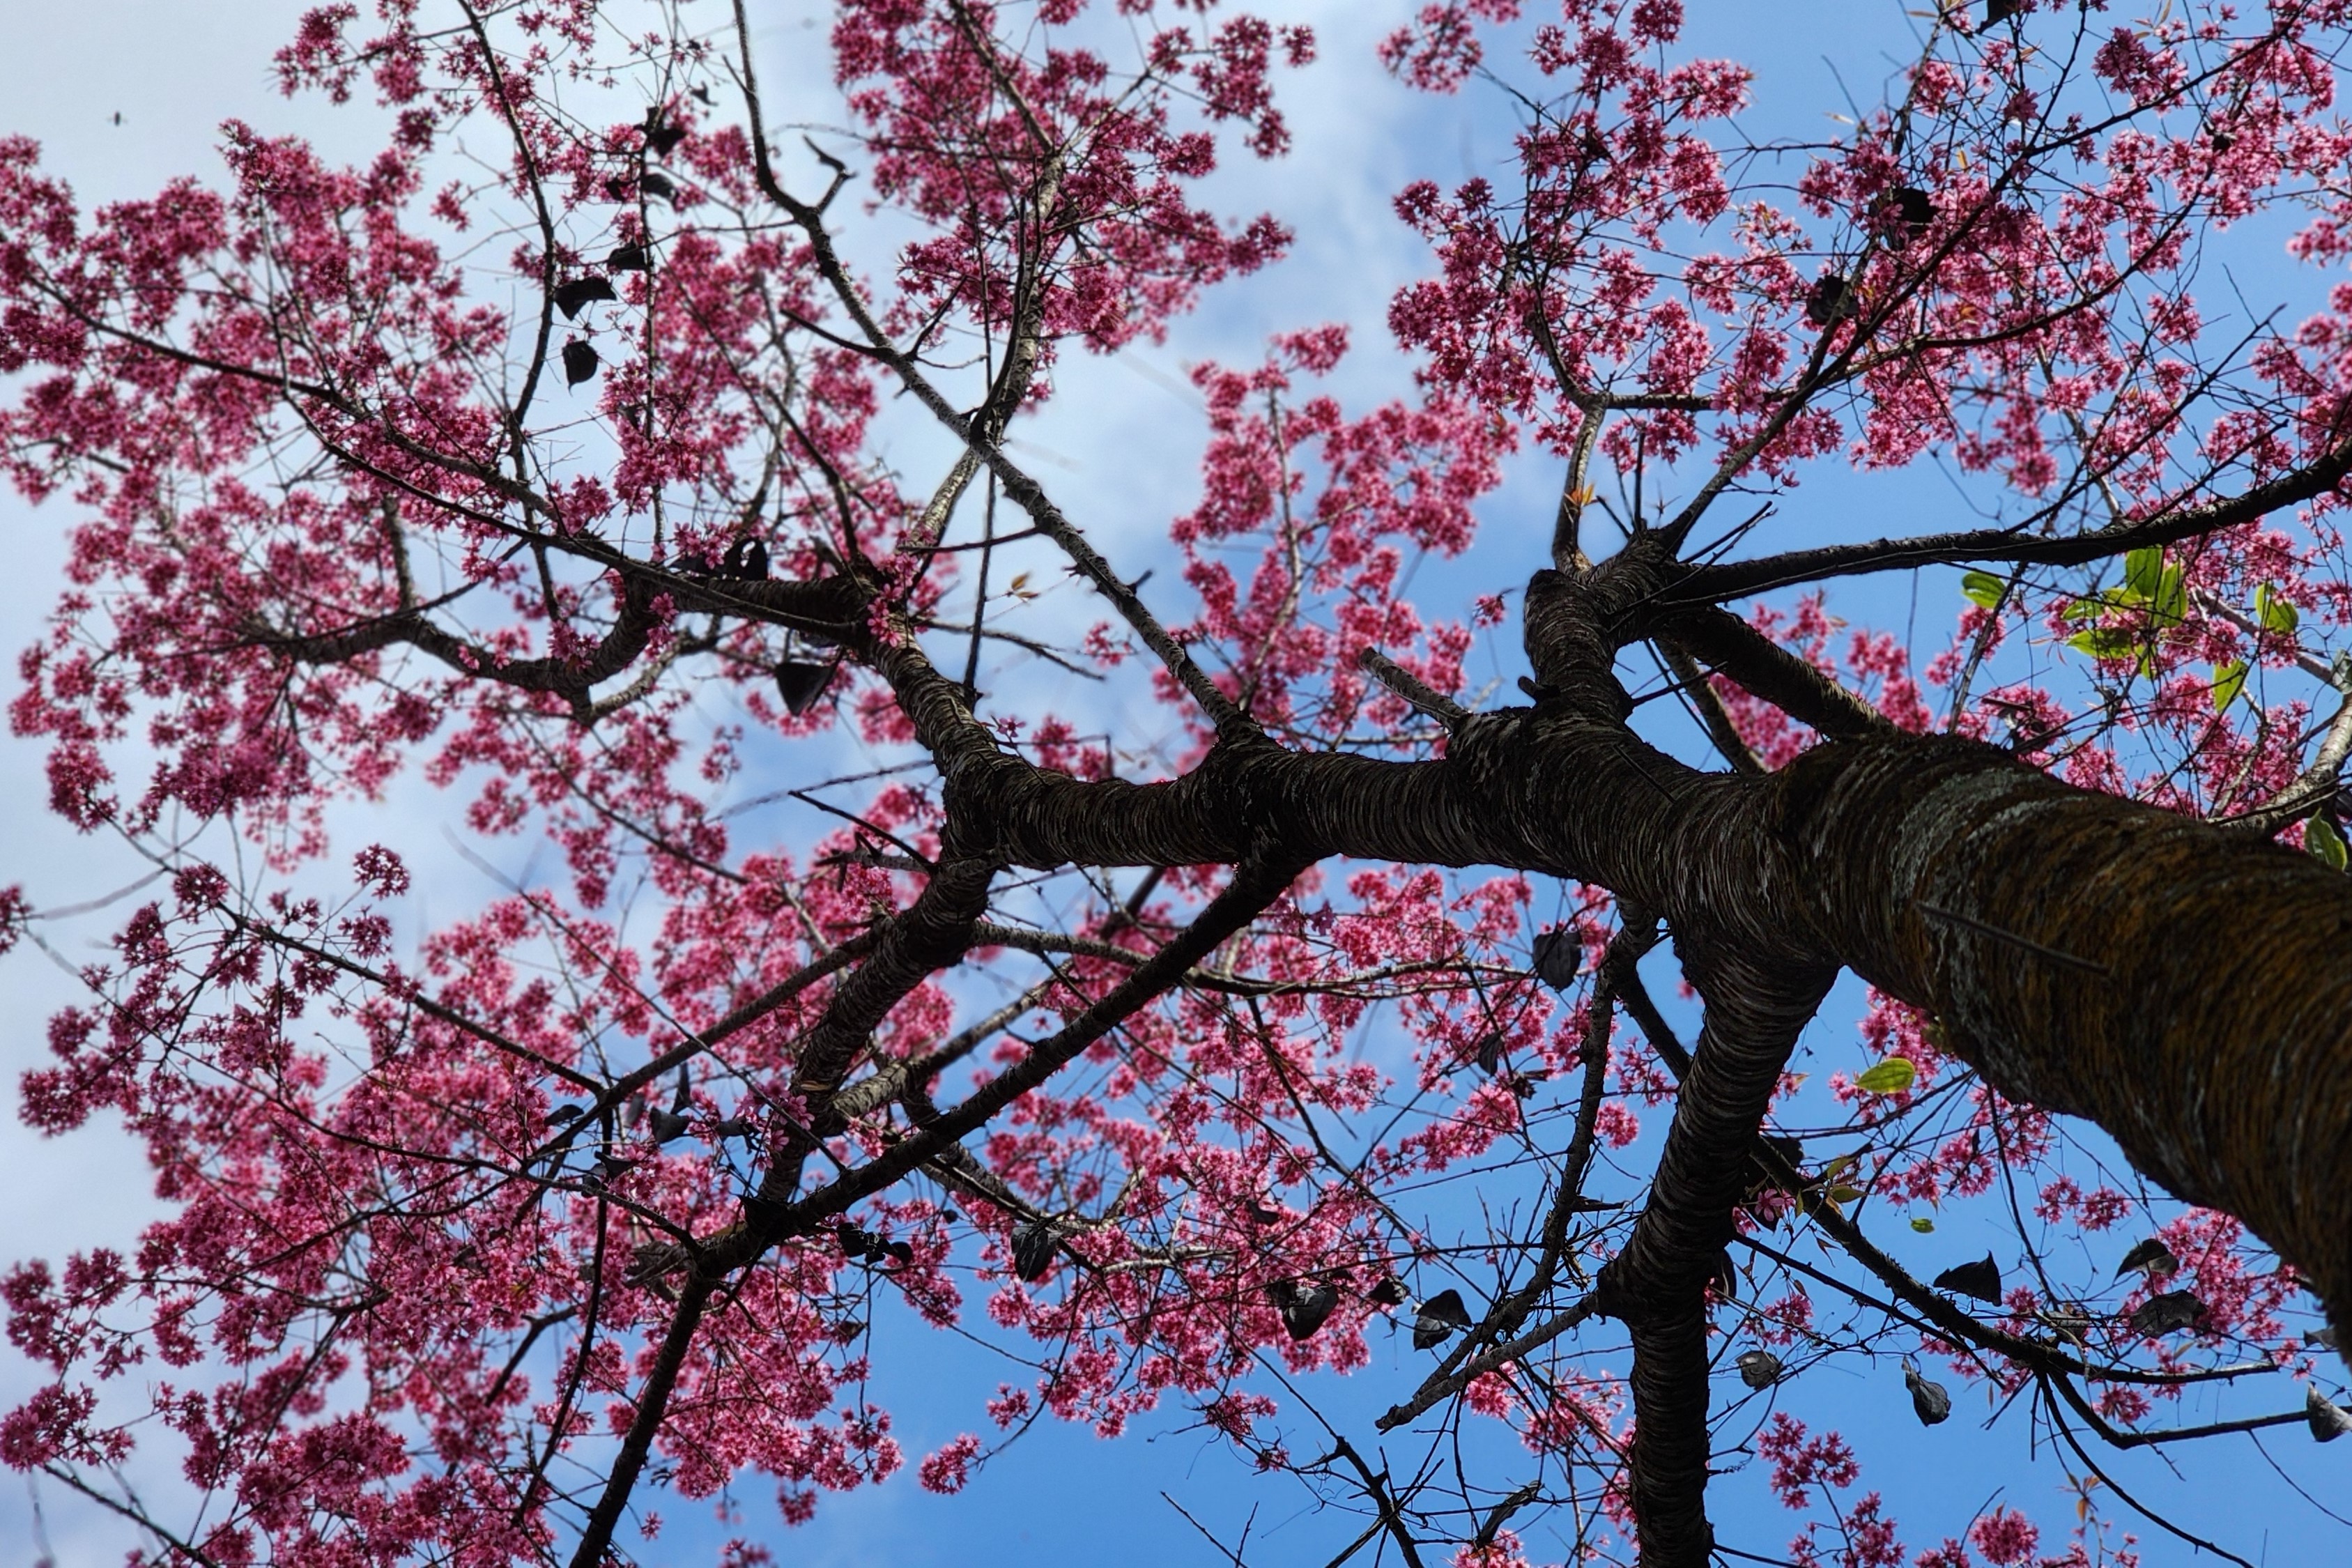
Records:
x=557, y=476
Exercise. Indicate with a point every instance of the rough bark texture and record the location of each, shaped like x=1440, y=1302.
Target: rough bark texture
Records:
x=2186, y=988
x=1657, y=1285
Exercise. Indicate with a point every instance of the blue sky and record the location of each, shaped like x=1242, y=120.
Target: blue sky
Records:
x=1120, y=446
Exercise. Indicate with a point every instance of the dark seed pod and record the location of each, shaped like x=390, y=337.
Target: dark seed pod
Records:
x=564, y=1113
x=1440, y=1318
x=658, y=185
x=1262, y=1215
x=1928, y=1399
x=580, y=362
x=628, y=258
x=856, y=1243
x=1032, y=1250
x=901, y=1253
x=846, y=1330
x=1305, y=1307
x=2151, y=1258
x=1389, y=1292
x=1980, y=1279
x=1759, y=1369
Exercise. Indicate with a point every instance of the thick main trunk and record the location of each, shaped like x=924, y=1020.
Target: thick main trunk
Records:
x=2185, y=988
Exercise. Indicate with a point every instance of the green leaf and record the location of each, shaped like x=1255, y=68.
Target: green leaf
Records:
x=2275, y=613
x=2083, y=609
x=1892, y=1075
x=2171, y=600
x=1983, y=588
x=2144, y=572
x=2105, y=642
x=2229, y=680
x=1846, y=1194
x=2320, y=837
x=1922, y=1224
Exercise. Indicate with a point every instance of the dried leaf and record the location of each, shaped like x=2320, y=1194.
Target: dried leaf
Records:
x=1980, y=1279
x=2328, y=1420
x=1490, y=1053
x=580, y=362
x=2151, y=1257
x=800, y=683
x=1439, y=1318
x=1832, y=299
x=1903, y=214
x=658, y=185
x=1305, y=1307
x=1759, y=1369
x=1389, y=1292
x=1560, y=954
x=628, y=258
x=564, y=1113
x=2164, y=1314
x=573, y=297
x=661, y=136
x=746, y=560
x=1032, y=1250
x=1928, y=1399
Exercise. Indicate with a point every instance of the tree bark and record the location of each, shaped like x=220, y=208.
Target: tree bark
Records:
x=2186, y=988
